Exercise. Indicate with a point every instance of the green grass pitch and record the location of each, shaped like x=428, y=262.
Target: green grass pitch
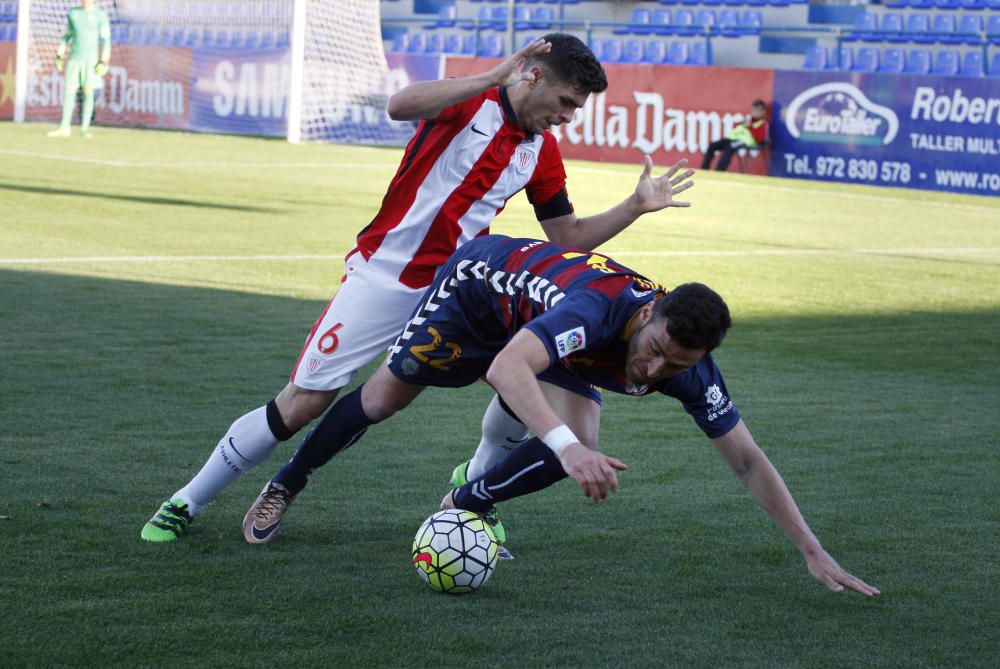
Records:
x=155, y=286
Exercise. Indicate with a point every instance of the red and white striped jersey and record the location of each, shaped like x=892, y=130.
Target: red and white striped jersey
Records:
x=457, y=174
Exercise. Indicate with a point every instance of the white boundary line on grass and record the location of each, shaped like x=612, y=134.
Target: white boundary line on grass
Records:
x=390, y=166
x=633, y=254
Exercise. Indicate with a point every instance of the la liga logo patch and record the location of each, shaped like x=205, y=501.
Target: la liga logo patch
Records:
x=571, y=340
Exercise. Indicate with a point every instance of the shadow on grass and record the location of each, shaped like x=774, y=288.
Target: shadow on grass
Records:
x=148, y=199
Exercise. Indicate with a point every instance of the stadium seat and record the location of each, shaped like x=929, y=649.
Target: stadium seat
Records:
x=947, y=4
x=498, y=19
x=864, y=24
x=993, y=4
x=921, y=4
x=634, y=51
x=918, y=62
x=418, y=43
x=453, y=43
x=711, y=3
x=751, y=22
x=684, y=22
x=944, y=26
x=597, y=48
x=669, y=2
x=866, y=60
x=445, y=18
x=729, y=23
x=970, y=26
x=677, y=53
x=756, y=3
x=892, y=61
x=282, y=38
x=900, y=4
x=972, y=64
x=995, y=65
x=993, y=29
x=522, y=18
x=613, y=49
x=842, y=60
x=469, y=45
x=699, y=54
x=490, y=46
x=542, y=18
x=637, y=25
x=237, y=40
x=973, y=4
x=892, y=28
x=484, y=18
x=705, y=18
x=815, y=58
x=268, y=39
x=690, y=2
x=660, y=22
x=917, y=27
x=656, y=51
x=435, y=43
x=945, y=63
x=252, y=40
x=734, y=3
x=779, y=3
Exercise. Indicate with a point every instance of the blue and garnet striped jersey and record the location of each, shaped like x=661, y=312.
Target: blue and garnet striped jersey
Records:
x=581, y=306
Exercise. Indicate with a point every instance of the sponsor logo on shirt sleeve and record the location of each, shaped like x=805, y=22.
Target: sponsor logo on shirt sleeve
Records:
x=571, y=340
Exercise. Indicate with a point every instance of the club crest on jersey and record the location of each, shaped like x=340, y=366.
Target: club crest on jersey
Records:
x=523, y=159
x=313, y=364
x=571, y=340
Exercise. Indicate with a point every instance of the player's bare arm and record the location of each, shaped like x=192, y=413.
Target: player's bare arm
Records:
x=426, y=99
x=651, y=195
x=513, y=375
x=764, y=482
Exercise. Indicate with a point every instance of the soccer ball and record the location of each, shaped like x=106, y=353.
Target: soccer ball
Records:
x=455, y=551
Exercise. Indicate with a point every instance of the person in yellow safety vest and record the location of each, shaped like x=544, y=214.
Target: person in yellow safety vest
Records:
x=750, y=134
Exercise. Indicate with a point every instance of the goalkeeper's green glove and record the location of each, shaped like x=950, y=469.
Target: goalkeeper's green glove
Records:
x=59, y=63
x=101, y=69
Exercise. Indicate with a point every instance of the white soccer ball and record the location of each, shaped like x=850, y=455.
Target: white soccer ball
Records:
x=455, y=551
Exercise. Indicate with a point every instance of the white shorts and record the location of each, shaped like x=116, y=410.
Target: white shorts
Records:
x=361, y=321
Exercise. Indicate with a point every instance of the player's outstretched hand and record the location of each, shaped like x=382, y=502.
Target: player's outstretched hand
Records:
x=659, y=193
x=509, y=72
x=833, y=576
x=594, y=471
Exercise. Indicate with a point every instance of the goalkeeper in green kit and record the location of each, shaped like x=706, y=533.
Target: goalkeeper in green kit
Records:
x=86, y=27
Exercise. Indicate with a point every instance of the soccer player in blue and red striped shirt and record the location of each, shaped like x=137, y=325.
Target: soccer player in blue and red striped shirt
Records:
x=545, y=324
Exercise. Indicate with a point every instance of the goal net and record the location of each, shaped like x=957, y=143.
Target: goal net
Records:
x=309, y=70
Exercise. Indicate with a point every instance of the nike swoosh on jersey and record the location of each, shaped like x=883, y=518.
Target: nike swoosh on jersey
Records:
x=264, y=533
x=478, y=131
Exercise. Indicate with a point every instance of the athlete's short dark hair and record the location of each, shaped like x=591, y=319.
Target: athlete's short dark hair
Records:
x=759, y=103
x=697, y=316
x=572, y=61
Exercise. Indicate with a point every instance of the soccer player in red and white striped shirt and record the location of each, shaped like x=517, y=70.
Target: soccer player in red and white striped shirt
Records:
x=480, y=140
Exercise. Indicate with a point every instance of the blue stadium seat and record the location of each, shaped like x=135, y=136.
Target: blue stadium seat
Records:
x=684, y=22
x=864, y=24
x=445, y=18
x=637, y=25
x=947, y=4
x=842, y=59
x=418, y=43
x=972, y=64
x=945, y=63
x=921, y=4
x=973, y=4
x=892, y=28
x=484, y=17
x=677, y=53
x=993, y=4
x=866, y=60
x=613, y=49
x=815, y=58
x=597, y=48
x=711, y=3
x=892, y=61
x=944, y=25
x=993, y=29
x=779, y=3
x=969, y=28
x=522, y=18
x=705, y=18
x=729, y=23
x=995, y=65
x=253, y=40
x=918, y=62
x=669, y=2
x=453, y=43
x=490, y=46
x=542, y=18
x=282, y=38
x=896, y=3
x=699, y=54
x=917, y=27
x=656, y=51
x=756, y=3
x=119, y=33
x=634, y=51
x=751, y=22
x=435, y=43
x=734, y=3
x=268, y=39
x=660, y=22
x=498, y=18
x=690, y=2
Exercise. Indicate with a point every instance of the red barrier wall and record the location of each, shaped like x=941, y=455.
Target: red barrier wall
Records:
x=671, y=112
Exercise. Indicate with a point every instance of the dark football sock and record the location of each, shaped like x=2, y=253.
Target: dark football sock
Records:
x=529, y=468
x=342, y=425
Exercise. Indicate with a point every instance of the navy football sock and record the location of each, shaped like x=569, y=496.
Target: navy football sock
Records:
x=529, y=468
x=342, y=425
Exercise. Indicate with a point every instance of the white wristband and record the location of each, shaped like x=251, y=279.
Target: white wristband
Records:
x=559, y=439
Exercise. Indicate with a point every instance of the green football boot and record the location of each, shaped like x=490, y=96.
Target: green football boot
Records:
x=170, y=522
x=459, y=478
